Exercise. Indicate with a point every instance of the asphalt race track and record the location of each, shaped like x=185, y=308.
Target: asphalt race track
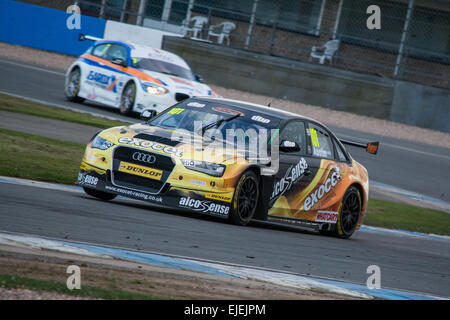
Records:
x=408, y=263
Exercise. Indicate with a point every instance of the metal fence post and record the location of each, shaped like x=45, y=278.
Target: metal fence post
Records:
x=102, y=9
x=401, y=48
x=251, y=25
x=272, y=37
x=166, y=12
x=187, y=19
x=124, y=8
x=140, y=17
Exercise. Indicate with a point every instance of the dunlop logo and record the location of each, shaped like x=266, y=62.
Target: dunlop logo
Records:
x=220, y=197
x=140, y=170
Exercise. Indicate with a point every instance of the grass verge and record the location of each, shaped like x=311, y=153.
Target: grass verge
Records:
x=393, y=215
x=18, y=105
x=15, y=281
x=30, y=156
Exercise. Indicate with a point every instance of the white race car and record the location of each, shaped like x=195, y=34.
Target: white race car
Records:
x=131, y=77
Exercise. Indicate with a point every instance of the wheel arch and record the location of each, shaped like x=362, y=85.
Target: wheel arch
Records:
x=263, y=205
x=361, y=192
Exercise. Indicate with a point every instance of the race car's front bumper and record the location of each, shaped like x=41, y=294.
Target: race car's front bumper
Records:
x=154, y=102
x=173, y=196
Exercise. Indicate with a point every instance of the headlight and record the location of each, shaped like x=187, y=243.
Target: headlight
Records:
x=151, y=88
x=100, y=143
x=213, y=169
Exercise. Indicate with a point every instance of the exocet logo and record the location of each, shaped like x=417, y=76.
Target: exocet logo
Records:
x=153, y=145
x=203, y=206
x=291, y=176
x=320, y=192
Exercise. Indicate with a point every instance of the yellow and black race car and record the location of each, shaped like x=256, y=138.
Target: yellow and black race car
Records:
x=234, y=160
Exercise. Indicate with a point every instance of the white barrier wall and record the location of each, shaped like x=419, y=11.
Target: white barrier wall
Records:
x=127, y=32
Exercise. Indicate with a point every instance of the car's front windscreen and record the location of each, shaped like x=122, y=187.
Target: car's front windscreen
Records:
x=217, y=121
x=163, y=67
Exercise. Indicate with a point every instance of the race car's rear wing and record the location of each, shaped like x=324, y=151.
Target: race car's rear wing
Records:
x=371, y=147
x=83, y=37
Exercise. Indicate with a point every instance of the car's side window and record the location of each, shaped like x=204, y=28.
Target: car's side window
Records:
x=116, y=51
x=321, y=142
x=340, y=153
x=295, y=131
x=100, y=50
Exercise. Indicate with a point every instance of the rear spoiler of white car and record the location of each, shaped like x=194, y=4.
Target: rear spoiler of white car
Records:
x=371, y=147
x=83, y=37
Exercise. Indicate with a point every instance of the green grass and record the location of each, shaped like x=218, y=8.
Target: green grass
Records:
x=18, y=105
x=29, y=156
x=14, y=281
x=392, y=215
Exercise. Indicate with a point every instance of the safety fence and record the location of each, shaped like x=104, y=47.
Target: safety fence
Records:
x=413, y=42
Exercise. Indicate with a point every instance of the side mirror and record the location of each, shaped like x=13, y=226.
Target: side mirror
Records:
x=199, y=78
x=120, y=62
x=147, y=114
x=289, y=146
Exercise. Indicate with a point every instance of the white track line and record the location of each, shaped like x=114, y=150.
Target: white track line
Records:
x=26, y=66
x=64, y=107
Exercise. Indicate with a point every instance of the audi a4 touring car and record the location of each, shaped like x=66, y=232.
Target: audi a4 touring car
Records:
x=234, y=160
x=131, y=77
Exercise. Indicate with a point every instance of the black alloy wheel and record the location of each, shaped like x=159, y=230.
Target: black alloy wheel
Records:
x=245, y=199
x=348, y=216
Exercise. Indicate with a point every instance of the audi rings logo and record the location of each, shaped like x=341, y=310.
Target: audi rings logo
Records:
x=144, y=157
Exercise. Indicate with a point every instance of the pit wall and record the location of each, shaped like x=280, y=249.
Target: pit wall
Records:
x=318, y=85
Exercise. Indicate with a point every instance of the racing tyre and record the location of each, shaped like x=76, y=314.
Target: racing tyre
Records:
x=73, y=86
x=348, y=215
x=127, y=99
x=245, y=199
x=99, y=194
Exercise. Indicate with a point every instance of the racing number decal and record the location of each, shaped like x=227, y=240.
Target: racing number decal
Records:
x=314, y=140
x=176, y=111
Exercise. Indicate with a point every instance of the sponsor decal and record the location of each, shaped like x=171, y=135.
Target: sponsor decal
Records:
x=326, y=216
x=195, y=105
x=314, y=139
x=321, y=191
x=152, y=145
x=176, y=111
x=102, y=80
x=198, y=182
x=87, y=179
x=227, y=111
x=260, y=119
x=292, y=175
x=217, y=196
x=203, y=206
x=140, y=170
x=144, y=157
x=135, y=194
